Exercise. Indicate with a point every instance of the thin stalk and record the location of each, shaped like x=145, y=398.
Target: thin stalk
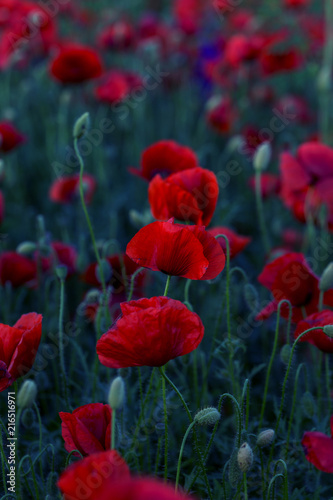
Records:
x=293, y=406
x=40, y=439
x=181, y=453
x=61, y=342
x=260, y=212
x=166, y=441
x=328, y=385
x=167, y=286
x=131, y=290
x=113, y=429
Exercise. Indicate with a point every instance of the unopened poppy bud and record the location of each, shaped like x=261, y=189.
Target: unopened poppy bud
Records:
x=41, y=226
x=324, y=79
x=262, y=156
x=251, y=296
x=234, y=471
x=106, y=271
x=285, y=354
x=92, y=296
x=236, y=143
x=207, y=416
x=326, y=280
x=140, y=219
x=81, y=126
x=308, y=404
x=27, y=394
x=61, y=272
x=328, y=330
x=117, y=394
x=26, y=248
x=265, y=438
x=245, y=457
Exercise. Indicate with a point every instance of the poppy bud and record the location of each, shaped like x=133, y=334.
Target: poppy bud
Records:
x=285, y=354
x=27, y=394
x=117, y=394
x=207, y=416
x=234, y=472
x=106, y=270
x=61, y=272
x=262, y=157
x=265, y=438
x=324, y=79
x=245, y=457
x=308, y=404
x=251, y=297
x=26, y=248
x=140, y=219
x=236, y=143
x=81, y=126
x=92, y=296
x=328, y=330
x=326, y=280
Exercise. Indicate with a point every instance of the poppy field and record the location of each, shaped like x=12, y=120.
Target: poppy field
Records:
x=166, y=250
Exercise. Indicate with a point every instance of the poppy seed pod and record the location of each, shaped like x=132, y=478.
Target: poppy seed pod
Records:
x=328, y=330
x=61, y=272
x=81, y=126
x=27, y=394
x=326, y=280
x=265, y=438
x=207, y=416
x=285, y=354
x=117, y=394
x=262, y=157
x=308, y=404
x=26, y=248
x=245, y=457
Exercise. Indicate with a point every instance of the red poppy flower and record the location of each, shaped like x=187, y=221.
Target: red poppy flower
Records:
x=87, y=429
x=290, y=277
x=237, y=243
x=150, y=332
x=296, y=107
x=221, y=114
x=186, y=251
x=61, y=254
x=190, y=195
x=117, y=86
x=165, y=158
x=18, y=348
x=16, y=269
x=9, y=137
x=241, y=48
x=318, y=449
x=307, y=179
x=76, y=64
x=270, y=184
x=88, y=478
x=140, y=489
x=316, y=337
x=277, y=61
x=119, y=36
x=66, y=189
x=296, y=4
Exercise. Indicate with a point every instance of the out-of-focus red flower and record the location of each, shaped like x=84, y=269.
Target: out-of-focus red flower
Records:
x=296, y=4
x=316, y=337
x=292, y=239
x=116, y=86
x=29, y=30
x=76, y=64
x=2, y=207
x=318, y=449
x=18, y=348
x=307, y=180
x=290, y=277
x=165, y=158
x=10, y=138
x=221, y=114
x=190, y=195
x=66, y=189
x=91, y=477
x=177, y=250
x=150, y=332
x=276, y=61
x=295, y=108
x=241, y=48
x=87, y=429
x=253, y=138
x=61, y=254
x=237, y=243
x=119, y=36
x=121, y=270
x=16, y=269
x=188, y=14
x=270, y=184
x=240, y=19
x=141, y=489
